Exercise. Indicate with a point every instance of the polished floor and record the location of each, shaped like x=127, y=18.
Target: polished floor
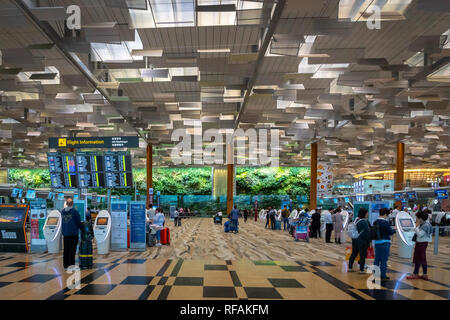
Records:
x=203, y=262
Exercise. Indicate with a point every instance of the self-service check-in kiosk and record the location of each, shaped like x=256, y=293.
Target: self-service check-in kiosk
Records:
x=102, y=231
x=405, y=233
x=52, y=231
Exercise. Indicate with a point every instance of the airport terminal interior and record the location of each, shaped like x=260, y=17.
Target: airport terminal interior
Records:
x=224, y=149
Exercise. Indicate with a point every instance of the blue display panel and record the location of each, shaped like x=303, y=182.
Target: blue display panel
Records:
x=411, y=195
x=441, y=194
x=31, y=194
x=398, y=196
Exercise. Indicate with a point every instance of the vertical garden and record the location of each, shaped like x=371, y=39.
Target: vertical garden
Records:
x=290, y=181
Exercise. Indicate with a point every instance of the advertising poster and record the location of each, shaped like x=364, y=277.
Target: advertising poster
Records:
x=137, y=226
x=375, y=210
x=324, y=179
x=119, y=210
x=38, y=214
x=357, y=205
x=172, y=212
x=80, y=205
x=13, y=237
x=150, y=195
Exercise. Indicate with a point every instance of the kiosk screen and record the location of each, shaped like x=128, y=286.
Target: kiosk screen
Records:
x=406, y=223
x=52, y=221
x=102, y=221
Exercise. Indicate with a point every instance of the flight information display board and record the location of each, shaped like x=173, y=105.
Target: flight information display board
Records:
x=90, y=170
x=89, y=161
x=117, y=161
x=119, y=179
x=91, y=179
x=63, y=173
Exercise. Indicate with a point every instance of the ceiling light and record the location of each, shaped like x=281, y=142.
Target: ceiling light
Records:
x=147, y=53
x=225, y=50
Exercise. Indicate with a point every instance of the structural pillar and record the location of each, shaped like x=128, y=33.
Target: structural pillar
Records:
x=230, y=176
x=149, y=171
x=400, y=166
x=313, y=178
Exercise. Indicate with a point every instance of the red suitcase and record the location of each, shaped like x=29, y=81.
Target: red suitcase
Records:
x=165, y=236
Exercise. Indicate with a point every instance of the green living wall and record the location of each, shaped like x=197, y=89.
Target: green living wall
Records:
x=193, y=181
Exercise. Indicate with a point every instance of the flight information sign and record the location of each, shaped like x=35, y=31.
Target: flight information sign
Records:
x=90, y=170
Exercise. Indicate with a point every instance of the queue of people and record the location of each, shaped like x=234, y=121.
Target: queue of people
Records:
x=363, y=233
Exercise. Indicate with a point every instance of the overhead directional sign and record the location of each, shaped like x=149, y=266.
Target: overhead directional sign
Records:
x=94, y=142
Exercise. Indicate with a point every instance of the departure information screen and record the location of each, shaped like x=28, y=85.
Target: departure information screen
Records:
x=119, y=179
x=117, y=161
x=90, y=170
x=89, y=162
x=91, y=179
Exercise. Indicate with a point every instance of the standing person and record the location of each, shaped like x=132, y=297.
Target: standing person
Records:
x=328, y=224
x=360, y=244
x=245, y=215
x=268, y=217
x=234, y=216
x=176, y=217
x=383, y=243
x=159, y=221
x=292, y=218
x=71, y=225
x=285, y=213
x=338, y=225
x=272, y=214
x=315, y=224
x=423, y=236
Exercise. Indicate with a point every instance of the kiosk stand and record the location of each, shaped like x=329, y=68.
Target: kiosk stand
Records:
x=52, y=231
x=405, y=232
x=102, y=231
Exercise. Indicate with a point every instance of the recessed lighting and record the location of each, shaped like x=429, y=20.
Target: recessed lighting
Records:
x=225, y=50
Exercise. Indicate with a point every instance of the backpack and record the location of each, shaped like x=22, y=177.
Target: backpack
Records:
x=375, y=231
x=353, y=230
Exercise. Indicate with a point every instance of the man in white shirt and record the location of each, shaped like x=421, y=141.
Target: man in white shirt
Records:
x=326, y=214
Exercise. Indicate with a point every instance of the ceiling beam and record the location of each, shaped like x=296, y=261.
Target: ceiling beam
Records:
x=262, y=52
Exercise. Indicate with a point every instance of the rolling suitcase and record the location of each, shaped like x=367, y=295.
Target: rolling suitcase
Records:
x=165, y=236
x=151, y=239
x=234, y=227
x=301, y=232
x=226, y=226
x=277, y=225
